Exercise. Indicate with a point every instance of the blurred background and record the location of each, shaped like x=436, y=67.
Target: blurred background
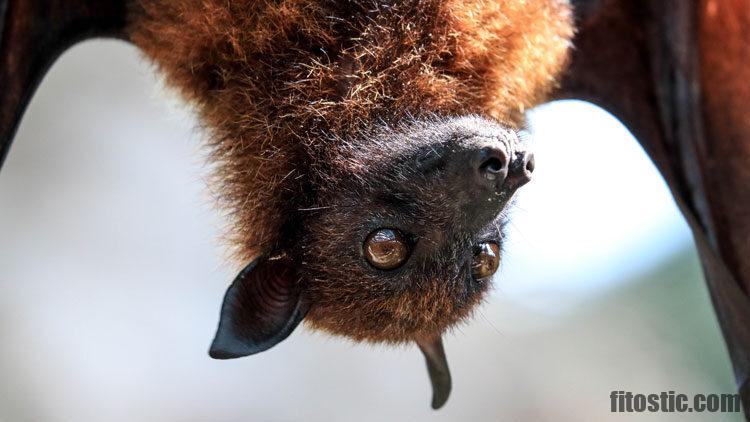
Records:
x=112, y=274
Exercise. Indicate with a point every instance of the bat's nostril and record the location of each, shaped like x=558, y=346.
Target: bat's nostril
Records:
x=521, y=170
x=530, y=163
x=494, y=163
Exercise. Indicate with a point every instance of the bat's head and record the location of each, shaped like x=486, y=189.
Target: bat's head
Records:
x=403, y=231
x=406, y=229
x=400, y=233
x=367, y=151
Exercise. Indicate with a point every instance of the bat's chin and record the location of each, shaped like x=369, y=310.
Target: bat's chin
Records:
x=420, y=318
x=417, y=313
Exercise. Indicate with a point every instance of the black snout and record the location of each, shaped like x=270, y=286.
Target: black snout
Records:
x=500, y=172
x=521, y=170
x=470, y=166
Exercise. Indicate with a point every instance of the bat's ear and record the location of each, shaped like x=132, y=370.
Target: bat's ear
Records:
x=261, y=308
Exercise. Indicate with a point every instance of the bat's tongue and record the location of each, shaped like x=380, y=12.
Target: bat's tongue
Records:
x=437, y=367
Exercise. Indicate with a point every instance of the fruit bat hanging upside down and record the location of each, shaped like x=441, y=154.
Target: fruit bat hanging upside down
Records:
x=367, y=151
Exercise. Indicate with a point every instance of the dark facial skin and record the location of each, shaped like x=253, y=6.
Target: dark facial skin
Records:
x=442, y=185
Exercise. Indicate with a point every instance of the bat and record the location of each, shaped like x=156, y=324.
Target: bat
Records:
x=367, y=151
x=332, y=123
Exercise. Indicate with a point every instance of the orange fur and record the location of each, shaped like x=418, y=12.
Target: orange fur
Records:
x=271, y=78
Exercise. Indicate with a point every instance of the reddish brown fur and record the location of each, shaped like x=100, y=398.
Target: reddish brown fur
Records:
x=277, y=82
x=724, y=81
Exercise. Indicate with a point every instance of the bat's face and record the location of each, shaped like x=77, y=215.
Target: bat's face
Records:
x=402, y=231
x=407, y=228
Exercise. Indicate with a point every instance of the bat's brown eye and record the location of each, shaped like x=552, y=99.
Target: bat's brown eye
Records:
x=486, y=260
x=386, y=249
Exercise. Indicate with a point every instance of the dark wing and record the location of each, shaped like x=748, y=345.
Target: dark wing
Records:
x=33, y=33
x=675, y=73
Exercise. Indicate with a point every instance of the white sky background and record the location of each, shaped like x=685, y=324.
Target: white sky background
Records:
x=111, y=277
x=598, y=211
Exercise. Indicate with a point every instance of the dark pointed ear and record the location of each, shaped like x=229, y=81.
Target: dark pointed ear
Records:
x=261, y=308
